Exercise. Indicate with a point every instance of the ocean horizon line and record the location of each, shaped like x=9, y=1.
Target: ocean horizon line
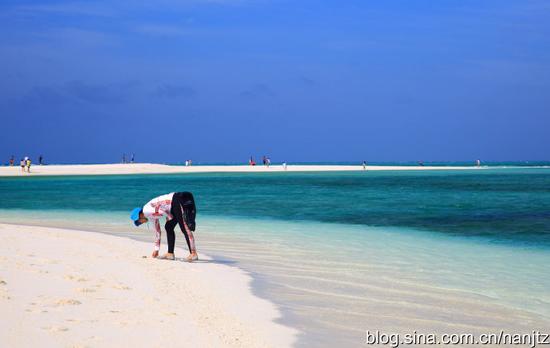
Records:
x=436, y=163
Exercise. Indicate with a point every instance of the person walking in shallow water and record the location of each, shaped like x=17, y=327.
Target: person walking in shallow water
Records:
x=179, y=209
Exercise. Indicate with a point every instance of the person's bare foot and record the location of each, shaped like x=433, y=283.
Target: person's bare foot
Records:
x=192, y=257
x=168, y=256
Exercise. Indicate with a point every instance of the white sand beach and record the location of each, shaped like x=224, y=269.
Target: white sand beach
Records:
x=66, y=288
x=151, y=168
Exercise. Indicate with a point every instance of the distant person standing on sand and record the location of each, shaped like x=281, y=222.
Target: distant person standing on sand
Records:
x=40, y=158
x=12, y=160
x=284, y=165
x=22, y=163
x=478, y=163
x=133, y=156
x=123, y=158
x=177, y=208
x=364, y=164
x=251, y=161
x=28, y=163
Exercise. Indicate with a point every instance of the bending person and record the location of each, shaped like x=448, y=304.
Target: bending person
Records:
x=179, y=209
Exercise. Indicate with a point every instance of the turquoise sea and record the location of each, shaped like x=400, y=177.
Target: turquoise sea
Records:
x=343, y=252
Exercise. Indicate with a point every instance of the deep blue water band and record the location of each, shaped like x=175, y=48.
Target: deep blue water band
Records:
x=502, y=205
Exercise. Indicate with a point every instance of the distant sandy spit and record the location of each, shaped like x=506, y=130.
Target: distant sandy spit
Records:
x=151, y=168
x=65, y=288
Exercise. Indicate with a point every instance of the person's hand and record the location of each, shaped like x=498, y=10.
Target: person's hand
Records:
x=155, y=254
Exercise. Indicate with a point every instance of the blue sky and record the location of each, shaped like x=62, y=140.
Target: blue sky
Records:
x=221, y=80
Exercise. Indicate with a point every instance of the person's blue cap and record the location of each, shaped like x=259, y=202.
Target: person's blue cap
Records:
x=135, y=216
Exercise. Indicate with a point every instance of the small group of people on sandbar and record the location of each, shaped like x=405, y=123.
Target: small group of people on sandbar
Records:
x=265, y=160
x=24, y=163
x=124, y=160
x=178, y=208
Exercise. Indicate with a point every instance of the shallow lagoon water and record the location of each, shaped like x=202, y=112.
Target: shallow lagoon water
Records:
x=345, y=252
x=500, y=204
